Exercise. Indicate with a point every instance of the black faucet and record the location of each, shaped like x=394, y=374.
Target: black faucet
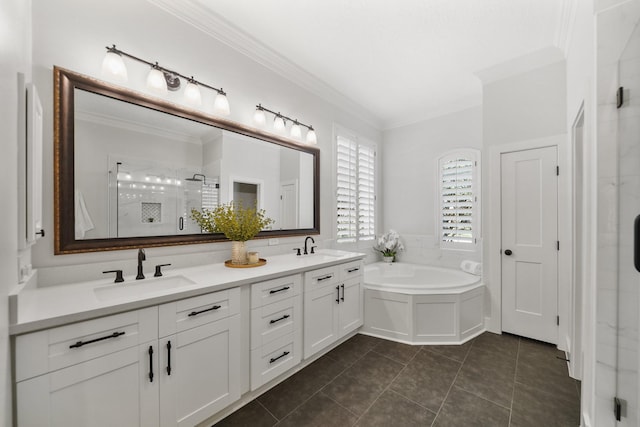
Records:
x=306, y=252
x=141, y=257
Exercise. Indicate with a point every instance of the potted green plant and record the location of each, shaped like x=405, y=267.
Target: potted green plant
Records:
x=236, y=222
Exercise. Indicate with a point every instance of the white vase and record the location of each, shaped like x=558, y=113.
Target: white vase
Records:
x=388, y=258
x=238, y=252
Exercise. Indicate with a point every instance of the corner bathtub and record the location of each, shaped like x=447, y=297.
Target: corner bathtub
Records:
x=419, y=304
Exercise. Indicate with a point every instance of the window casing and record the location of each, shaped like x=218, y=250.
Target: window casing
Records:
x=355, y=192
x=459, y=210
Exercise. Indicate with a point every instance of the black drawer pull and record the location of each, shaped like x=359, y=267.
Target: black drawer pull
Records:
x=168, y=357
x=636, y=243
x=81, y=343
x=351, y=270
x=195, y=313
x=151, y=363
x=338, y=297
x=286, y=316
x=342, y=286
x=273, y=359
x=320, y=279
x=275, y=291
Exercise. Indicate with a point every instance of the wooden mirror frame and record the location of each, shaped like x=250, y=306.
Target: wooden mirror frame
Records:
x=65, y=83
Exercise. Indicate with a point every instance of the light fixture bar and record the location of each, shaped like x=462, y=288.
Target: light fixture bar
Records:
x=296, y=121
x=163, y=69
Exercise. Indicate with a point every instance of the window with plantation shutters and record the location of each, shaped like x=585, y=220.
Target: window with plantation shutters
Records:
x=458, y=216
x=355, y=193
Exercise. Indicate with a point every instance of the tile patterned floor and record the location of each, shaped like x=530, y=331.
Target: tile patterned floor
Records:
x=493, y=380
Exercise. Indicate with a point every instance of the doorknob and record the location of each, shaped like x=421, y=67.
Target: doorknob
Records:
x=508, y=252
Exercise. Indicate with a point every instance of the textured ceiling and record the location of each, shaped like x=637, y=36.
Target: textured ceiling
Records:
x=402, y=60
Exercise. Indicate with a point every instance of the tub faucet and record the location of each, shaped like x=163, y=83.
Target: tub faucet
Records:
x=306, y=252
x=141, y=257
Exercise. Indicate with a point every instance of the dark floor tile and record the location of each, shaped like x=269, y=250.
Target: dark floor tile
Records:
x=488, y=375
x=319, y=411
x=350, y=351
x=252, y=414
x=462, y=409
x=455, y=352
x=351, y=393
x=399, y=352
x=367, y=341
x=533, y=408
x=391, y=409
x=374, y=370
x=427, y=379
x=505, y=344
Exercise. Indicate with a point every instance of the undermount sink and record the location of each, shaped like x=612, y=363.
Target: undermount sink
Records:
x=141, y=287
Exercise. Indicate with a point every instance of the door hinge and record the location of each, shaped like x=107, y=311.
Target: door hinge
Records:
x=558, y=320
x=557, y=170
x=619, y=406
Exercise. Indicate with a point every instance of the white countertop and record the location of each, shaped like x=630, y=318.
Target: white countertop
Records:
x=42, y=308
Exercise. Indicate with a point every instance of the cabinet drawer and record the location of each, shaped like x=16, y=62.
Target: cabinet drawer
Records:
x=350, y=270
x=273, y=359
x=321, y=277
x=271, y=291
x=189, y=313
x=275, y=320
x=49, y=350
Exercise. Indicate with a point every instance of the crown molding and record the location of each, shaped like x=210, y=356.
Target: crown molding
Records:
x=195, y=14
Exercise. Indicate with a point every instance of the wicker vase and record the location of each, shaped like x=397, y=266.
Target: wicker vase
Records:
x=238, y=252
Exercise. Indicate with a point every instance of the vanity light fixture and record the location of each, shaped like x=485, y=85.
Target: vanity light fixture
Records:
x=161, y=80
x=280, y=123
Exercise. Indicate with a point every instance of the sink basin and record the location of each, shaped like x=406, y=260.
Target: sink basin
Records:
x=141, y=287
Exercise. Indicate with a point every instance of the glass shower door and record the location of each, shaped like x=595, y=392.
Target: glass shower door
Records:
x=628, y=336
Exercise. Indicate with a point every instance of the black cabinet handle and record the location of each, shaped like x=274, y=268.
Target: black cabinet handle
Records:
x=320, y=279
x=508, y=252
x=636, y=243
x=195, y=313
x=273, y=359
x=168, y=357
x=275, y=291
x=150, y=363
x=181, y=223
x=342, y=286
x=286, y=316
x=351, y=270
x=81, y=343
x=338, y=297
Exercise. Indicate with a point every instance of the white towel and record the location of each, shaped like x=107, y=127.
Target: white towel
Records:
x=472, y=267
x=83, y=220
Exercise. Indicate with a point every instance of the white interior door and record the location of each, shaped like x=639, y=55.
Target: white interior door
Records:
x=529, y=186
x=289, y=205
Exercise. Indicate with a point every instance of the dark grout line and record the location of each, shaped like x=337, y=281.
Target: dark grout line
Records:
x=267, y=409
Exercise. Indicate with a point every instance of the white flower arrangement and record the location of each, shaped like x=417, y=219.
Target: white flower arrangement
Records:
x=389, y=244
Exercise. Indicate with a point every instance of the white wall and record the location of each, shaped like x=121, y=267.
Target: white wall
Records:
x=409, y=182
x=15, y=56
x=73, y=35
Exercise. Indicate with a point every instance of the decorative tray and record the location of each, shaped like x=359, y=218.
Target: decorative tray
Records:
x=260, y=262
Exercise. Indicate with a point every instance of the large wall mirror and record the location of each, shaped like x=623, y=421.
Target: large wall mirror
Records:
x=129, y=168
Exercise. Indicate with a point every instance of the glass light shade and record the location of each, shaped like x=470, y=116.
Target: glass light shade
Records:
x=221, y=105
x=156, y=81
x=113, y=67
x=295, y=131
x=278, y=124
x=192, y=94
x=311, y=137
x=259, y=117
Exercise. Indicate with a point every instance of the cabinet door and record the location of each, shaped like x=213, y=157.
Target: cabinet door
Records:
x=320, y=318
x=200, y=372
x=112, y=390
x=351, y=305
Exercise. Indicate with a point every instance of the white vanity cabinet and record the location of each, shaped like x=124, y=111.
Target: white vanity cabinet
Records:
x=276, y=328
x=199, y=357
x=102, y=372
x=333, y=305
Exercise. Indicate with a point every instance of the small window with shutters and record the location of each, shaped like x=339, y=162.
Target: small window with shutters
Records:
x=355, y=193
x=458, y=184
